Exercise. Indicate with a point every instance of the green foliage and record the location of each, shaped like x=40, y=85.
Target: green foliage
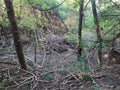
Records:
x=20, y=1
x=89, y=22
x=48, y=77
x=86, y=78
x=82, y=65
x=32, y=64
x=1, y=3
x=63, y=15
x=4, y=20
x=71, y=37
x=4, y=81
x=0, y=20
x=28, y=22
x=107, y=17
x=97, y=87
x=74, y=66
x=84, y=44
x=62, y=72
x=110, y=10
x=44, y=4
x=31, y=22
x=47, y=4
x=76, y=3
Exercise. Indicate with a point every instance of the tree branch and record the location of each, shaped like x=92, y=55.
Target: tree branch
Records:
x=35, y=7
x=117, y=36
x=118, y=6
x=86, y=4
x=110, y=15
x=111, y=28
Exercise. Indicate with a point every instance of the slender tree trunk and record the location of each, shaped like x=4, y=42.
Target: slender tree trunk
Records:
x=17, y=42
x=80, y=28
x=98, y=30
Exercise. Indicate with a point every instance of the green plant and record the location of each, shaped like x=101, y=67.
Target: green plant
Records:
x=32, y=64
x=76, y=3
x=71, y=37
x=24, y=22
x=48, y=76
x=63, y=14
x=4, y=81
x=97, y=87
x=0, y=20
x=82, y=65
x=44, y=4
x=5, y=22
x=62, y=72
x=86, y=78
x=89, y=22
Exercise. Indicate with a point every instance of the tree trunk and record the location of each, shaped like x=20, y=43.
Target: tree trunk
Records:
x=80, y=28
x=16, y=38
x=98, y=31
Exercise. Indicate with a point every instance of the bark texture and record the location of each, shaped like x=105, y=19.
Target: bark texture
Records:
x=98, y=31
x=80, y=27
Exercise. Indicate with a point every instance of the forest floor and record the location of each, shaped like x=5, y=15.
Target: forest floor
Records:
x=56, y=68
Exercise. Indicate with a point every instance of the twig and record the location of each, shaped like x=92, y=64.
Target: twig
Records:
x=16, y=83
x=25, y=81
x=44, y=56
x=30, y=73
x=35, y=77
x=9, y=63
x=8, y=73
x=34, y=86
x=74, y=76
x=99, y=77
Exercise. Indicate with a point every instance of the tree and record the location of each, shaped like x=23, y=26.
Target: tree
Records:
x=98, y=31
x=80, y=27
x=16, y=38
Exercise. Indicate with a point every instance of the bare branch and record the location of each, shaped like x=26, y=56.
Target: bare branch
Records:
x=86, y=4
